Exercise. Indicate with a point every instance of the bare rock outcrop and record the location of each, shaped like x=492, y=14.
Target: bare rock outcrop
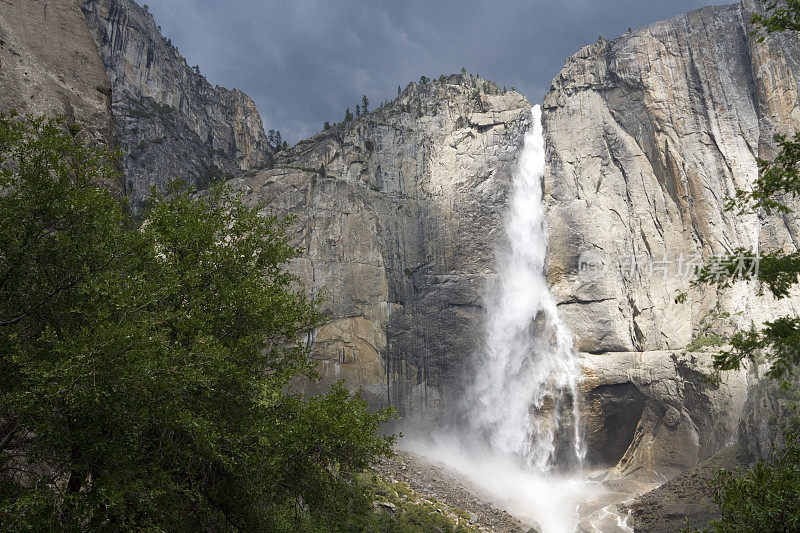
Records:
x=170, y=122
x=648, y=136
x=770, y=412
x=398, y=216
x=61, y=75
x=653, y=414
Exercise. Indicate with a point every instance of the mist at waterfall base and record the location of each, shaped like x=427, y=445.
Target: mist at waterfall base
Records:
x=520, y=440
x=548, y=500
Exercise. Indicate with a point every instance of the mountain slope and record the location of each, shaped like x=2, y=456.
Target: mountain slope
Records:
x=170, y=122
x=398, y=214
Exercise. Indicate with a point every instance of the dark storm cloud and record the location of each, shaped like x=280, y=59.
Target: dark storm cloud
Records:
x=304, y=61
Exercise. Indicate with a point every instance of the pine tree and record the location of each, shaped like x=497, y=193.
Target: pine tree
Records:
x=326, y=125
x=348, y=116
x=364, y=104
x=358, y=111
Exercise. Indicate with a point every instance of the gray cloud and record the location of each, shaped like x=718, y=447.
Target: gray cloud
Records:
x=304, y=61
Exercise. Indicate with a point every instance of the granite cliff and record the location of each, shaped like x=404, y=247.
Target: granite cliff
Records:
x=59, y=76
x=398, y=213
x=648, y=136
x=170, y=122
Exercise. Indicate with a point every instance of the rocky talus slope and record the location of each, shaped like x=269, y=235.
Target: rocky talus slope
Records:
x=398, y=216
x=436, y=483
x=170, y=122
x=687, y=500
x=648, y=136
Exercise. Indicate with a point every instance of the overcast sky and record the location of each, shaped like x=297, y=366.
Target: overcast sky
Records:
x=305, y=61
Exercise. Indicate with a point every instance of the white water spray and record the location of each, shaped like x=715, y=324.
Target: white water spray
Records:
x=527, y=372
x=522, y=406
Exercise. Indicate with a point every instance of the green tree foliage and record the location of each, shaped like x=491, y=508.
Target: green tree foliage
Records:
x=348, y=116
x=777, y=179
x=765, y=498
x=274, y=139
x=777, y=271
x=779, y=16
x=145, y=369
x=326, y=125
x=364, y=104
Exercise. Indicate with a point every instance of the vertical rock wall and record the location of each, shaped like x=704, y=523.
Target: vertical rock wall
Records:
x=648, y=136
x=170, y=122
x=60, y=75
x=399, y=213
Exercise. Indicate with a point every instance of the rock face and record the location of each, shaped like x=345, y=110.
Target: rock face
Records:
x=170, y=122
x=398, y=214
x=768, y=414
x=653, y=414
x=60, y=75
x=648, y=136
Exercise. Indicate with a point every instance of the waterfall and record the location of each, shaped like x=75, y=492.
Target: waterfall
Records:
x=521, y=410
x=526, y=375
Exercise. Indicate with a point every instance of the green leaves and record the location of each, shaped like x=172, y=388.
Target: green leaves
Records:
x=779, y=341
x=767, y=496
x=146, y=370
x=778, y=180
x=764, y=498
x=778, y=16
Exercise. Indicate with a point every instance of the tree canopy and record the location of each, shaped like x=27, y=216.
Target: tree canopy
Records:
x=146, y=368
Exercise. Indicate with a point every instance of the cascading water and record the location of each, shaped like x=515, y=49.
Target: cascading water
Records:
x=527, y=371
x=521, y=407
